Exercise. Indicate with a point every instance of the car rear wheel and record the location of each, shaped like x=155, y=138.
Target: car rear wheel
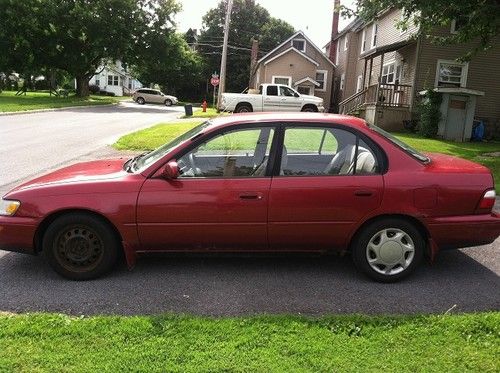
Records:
x=141, y=101
x=388, y=250
x=168, y=102
x=243, y=108
x=310, y=109
x=80, y=246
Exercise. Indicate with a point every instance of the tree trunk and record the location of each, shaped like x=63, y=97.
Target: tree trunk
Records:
x=82, y=86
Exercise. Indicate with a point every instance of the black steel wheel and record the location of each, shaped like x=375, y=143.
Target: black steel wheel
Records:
x=80, y=246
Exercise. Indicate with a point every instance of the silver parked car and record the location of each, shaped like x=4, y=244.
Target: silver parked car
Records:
x=154, y=96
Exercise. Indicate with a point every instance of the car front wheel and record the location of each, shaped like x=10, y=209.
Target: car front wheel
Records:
x=80, y=246
x=168, y=102
x=388, y=250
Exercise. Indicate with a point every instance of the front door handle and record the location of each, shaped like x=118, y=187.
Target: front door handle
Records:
x=247, y=196
x=363, y=193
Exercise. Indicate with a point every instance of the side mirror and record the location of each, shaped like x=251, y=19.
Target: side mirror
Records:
x=296, y=94
x=171, y=170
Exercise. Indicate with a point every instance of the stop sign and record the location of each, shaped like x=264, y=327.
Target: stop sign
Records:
x=215, y=81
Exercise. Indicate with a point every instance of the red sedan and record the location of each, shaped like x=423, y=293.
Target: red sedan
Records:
x=286, y=182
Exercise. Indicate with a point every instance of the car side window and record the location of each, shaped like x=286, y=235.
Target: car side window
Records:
x=237, y=153
x=285, y=91
x=316, y=151
x=272, y=90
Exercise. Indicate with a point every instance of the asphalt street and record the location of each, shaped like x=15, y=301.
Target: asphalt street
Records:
x=461, y=280
x=31, y=144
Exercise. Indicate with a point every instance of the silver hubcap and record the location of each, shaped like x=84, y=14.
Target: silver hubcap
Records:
x=390, y=251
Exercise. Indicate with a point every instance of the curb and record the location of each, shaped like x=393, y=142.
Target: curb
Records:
x=53, y=109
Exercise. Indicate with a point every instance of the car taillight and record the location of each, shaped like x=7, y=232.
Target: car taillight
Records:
x=487, y=202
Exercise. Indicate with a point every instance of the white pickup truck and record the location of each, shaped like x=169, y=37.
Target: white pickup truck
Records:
x=270, y=97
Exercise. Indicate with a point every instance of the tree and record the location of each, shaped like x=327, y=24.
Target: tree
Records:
x=166, y=59
x=77, y=36
x=248, y=20
x=479, y=19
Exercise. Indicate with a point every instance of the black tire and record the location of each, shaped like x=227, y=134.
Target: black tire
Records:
x=168, y=102
x=141, y=100
x=411, y=237
x=80, y=246
x=243, y=108
x=310, y=109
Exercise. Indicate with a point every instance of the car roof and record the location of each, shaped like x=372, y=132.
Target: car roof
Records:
x=300, y=117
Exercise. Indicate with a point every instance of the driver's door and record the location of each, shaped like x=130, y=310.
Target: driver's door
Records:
x=220, y=200
x=288, y=100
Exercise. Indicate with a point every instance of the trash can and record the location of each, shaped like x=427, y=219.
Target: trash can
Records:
x=188, y=109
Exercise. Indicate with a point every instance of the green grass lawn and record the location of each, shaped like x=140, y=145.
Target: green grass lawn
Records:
x=210, y=113
x=474, y=151
x=41, y=100
x=50, y=343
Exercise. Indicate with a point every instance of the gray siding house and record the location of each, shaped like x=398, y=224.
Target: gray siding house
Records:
x=381, y=70
x=298, y=63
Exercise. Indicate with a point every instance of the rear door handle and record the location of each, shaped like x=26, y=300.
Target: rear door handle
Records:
x=363, y=193
x=247, y=196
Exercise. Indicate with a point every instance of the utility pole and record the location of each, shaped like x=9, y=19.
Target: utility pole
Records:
x=222, y=84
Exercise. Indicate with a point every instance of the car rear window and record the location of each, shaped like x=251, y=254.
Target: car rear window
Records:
x=402, y=145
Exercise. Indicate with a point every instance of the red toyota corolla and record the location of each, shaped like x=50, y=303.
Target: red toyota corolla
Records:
x=285, y=182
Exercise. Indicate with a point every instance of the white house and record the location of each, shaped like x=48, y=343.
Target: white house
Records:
x=115, y=78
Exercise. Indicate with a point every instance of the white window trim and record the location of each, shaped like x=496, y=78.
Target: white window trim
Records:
x=453, y=28
x=325, y=72
x=359, y=84
x=338, y=52
x=282, y=77
x=465, y=71
x=342, y=81
x=346, y=42
x=394, y=62
x=363, y=40
x=297, y=39
x=372, y=43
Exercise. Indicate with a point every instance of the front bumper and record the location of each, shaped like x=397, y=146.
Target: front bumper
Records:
x=464, y=231
x=17, y=234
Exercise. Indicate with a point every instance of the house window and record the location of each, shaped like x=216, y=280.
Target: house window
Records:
x=457, y=24
x=363, y=40
x=97, y=82
x=286, y=80
x=321, y=76
x=305, y=90
x=359, y=84
x=113, y=80
x=346, y=43
x=374, y=35
x=338, y=52
x=451, y=74
x=299, y=44
x=342, y=81
x=388, y=73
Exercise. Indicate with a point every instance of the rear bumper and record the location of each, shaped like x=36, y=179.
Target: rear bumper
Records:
x=464, y=231
x=17, y=234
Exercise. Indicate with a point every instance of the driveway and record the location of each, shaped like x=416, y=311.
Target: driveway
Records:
x=36, y=143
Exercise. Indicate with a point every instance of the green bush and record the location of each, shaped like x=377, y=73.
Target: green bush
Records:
x=430, y=114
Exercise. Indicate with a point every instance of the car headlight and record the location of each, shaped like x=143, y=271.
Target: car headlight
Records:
x=9, y=207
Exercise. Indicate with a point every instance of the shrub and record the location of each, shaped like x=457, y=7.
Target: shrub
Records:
x=112, y=94
x=94, y=89
x=430, y=114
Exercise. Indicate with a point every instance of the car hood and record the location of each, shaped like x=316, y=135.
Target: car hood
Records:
x=79, y=173
x=312, y=98
x=450, y=164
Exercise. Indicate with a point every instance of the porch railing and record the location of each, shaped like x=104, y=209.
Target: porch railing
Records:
x=387, y=95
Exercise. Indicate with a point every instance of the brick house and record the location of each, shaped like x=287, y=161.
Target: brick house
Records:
x=381, y=70
x=298, y=63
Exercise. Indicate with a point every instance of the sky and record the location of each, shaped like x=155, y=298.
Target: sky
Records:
x=315, y=20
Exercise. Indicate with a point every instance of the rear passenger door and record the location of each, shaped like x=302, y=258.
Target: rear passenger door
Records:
x=271, y=99
x=328, y=180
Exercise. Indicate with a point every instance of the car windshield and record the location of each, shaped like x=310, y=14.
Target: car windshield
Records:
x=147, y=159
x=407, y=148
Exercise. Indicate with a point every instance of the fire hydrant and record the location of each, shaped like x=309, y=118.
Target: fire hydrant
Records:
x=204, y=106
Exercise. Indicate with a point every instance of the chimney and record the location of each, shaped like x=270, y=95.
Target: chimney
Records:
x=335, y=30
x=253, y=61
